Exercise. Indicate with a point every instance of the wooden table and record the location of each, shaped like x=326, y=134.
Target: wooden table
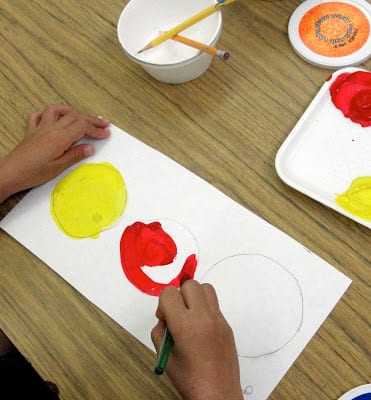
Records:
x=226, y=127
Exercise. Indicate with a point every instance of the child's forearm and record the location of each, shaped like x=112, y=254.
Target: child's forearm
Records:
x=9, y=183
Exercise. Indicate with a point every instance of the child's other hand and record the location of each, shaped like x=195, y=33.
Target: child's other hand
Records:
x=48, y=147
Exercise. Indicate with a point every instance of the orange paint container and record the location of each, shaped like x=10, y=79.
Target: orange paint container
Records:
x=332, y=34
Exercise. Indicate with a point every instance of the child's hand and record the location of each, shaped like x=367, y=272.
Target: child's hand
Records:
x=203, y=364
x=48, y=147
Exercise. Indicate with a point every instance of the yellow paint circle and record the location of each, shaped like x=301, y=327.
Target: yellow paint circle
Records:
x=88, y=200
x=357, y=199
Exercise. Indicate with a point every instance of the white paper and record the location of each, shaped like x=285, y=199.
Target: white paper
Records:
x=274, y=292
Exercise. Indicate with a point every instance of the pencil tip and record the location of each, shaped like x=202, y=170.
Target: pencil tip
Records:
x=147, y=47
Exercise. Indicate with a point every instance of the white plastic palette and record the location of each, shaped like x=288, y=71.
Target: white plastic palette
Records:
x=325, y=151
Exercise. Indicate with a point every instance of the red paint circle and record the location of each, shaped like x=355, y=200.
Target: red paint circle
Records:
x=149, y=245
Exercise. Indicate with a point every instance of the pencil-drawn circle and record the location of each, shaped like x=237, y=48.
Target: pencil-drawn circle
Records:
x=261, y=300
x=249, y=389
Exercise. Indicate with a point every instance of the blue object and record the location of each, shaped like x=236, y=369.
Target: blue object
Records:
x=366, y=396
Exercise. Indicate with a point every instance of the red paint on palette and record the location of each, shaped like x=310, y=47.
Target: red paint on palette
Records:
x=149, y=245
x=351, y=94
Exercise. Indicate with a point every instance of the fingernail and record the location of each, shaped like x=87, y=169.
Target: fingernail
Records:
x=88, y=151
x=105, y=120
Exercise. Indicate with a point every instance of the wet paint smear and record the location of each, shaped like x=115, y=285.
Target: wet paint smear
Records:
x=351, y=94
x=357, y=199
x=149, y=245
x=88, y=200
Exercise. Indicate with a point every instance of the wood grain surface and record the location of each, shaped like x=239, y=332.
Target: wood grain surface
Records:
x=226, y=127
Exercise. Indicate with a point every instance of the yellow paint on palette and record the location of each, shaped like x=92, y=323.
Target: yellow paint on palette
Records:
x=88, y=200
x=357, y=199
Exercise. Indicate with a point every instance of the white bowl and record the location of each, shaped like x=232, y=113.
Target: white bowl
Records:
x=171, y=61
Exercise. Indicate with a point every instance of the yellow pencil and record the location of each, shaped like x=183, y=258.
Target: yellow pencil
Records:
x=186, y=24
x=223, y=55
